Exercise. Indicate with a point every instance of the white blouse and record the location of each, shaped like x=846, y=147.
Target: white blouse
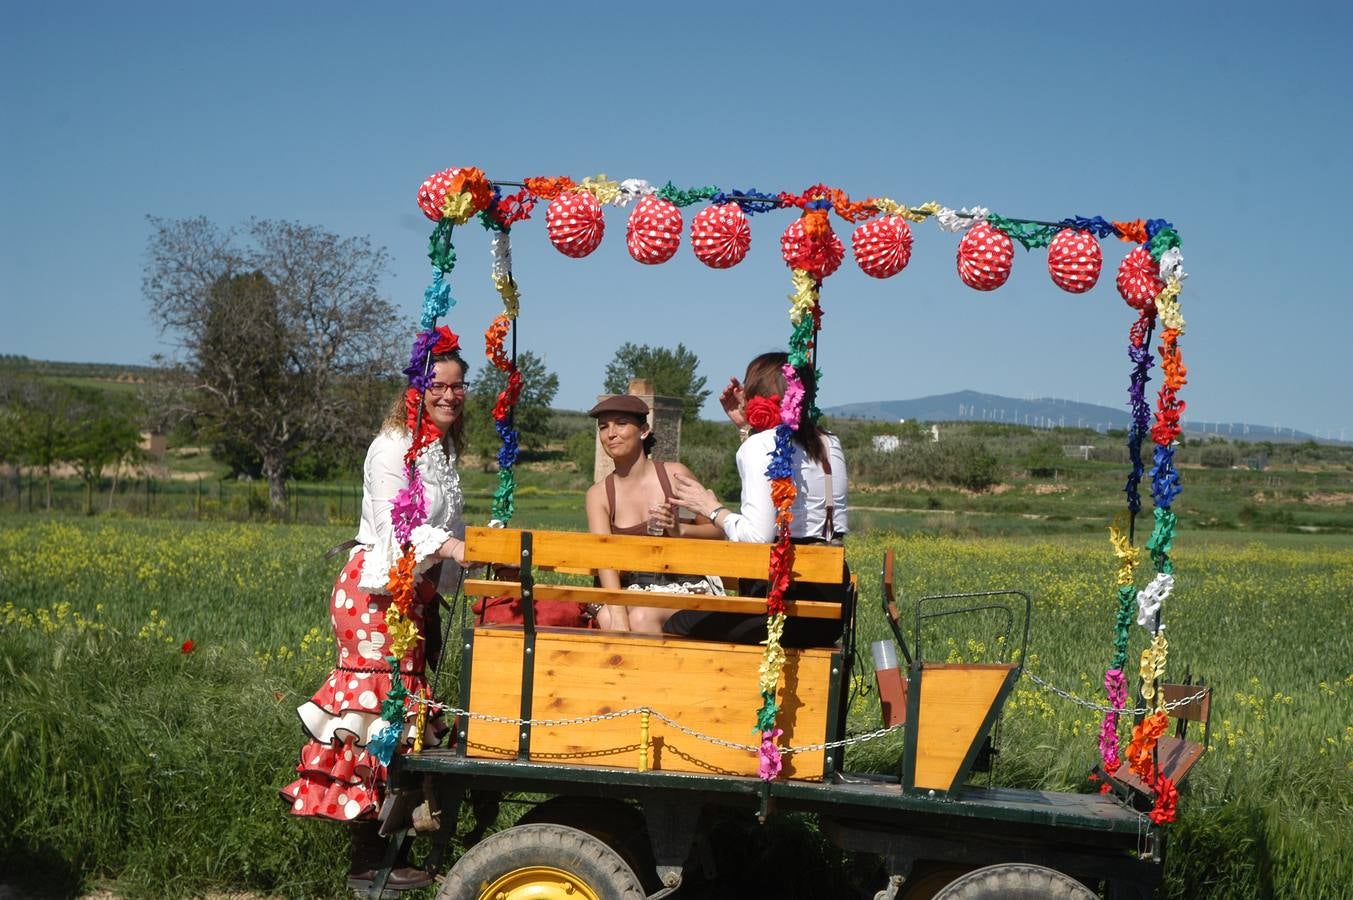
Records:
x=756, y=522
x=383, y=476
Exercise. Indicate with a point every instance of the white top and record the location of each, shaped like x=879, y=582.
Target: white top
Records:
x=756, y=522
x=384, y=476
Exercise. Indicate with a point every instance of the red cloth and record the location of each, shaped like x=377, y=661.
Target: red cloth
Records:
x=549, y=613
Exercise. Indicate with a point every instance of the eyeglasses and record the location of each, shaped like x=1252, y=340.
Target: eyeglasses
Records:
x=437, y=388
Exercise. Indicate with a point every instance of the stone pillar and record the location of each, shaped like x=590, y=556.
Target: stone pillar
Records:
x=664, y=418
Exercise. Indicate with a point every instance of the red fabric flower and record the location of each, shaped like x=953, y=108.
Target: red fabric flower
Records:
x=188, y=646
x=447, y=341
x=763, y=412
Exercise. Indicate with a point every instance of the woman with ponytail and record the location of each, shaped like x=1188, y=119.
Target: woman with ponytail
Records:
x=819, y=508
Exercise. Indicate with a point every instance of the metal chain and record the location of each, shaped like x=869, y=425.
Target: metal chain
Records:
x=624, y=713
x=1099, y=707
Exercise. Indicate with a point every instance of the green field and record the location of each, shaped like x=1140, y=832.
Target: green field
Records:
x=127, y=763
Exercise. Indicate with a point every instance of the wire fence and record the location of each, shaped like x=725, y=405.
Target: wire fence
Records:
x=177, y=498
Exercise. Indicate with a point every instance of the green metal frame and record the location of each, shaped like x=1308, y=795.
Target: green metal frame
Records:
x=834, y=701
x=528, y=650
x=466, y=663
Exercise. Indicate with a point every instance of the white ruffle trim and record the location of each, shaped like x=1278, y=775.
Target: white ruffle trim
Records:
x=324, y=727
x=375, y=575
x=426, y=541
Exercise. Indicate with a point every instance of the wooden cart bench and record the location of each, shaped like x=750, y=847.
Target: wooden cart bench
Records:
x=707, y=688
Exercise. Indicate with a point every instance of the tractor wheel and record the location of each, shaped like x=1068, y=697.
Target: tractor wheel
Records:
x=1015, y=881
x=541, y=862
x=928, y=879
x=617, y=825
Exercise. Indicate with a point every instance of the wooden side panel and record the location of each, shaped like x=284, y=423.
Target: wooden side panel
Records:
x=707, y=687
x=576, y=550
x=807, y=609
x=955, y=699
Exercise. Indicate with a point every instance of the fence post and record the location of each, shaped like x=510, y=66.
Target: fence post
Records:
x=199, y=496
x=147, y=493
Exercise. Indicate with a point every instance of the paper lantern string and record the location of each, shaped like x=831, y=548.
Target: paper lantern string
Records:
x=455, y=194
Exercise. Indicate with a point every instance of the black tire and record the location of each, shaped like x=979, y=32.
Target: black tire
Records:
x=525, y=855
x=1015, y=881
x=929, y=878
x=616, y=824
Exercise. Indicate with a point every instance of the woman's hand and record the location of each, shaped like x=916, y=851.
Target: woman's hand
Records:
x=732, y=401
x=693, y=495
x=453, y=548
x=663, y=516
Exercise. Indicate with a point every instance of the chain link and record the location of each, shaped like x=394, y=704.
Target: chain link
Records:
x=785, y=751
x=634, y=711
x=1099, y=707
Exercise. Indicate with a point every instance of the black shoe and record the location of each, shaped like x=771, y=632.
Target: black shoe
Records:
x=406, y=878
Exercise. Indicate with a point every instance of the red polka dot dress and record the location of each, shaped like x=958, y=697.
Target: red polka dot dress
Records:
x=339, y=779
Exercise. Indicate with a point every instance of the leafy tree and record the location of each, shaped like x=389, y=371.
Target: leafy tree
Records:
x=104, y=435
x=531, y=416
x=671, y=371
x=40, y=421
x=281, y=330
x=1043, y=459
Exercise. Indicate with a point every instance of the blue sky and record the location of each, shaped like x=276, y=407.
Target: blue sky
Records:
x=1228, y=121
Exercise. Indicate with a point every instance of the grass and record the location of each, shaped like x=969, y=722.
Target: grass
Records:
x=125, y=761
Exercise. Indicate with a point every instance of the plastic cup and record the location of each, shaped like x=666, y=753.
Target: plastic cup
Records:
x=892, y=687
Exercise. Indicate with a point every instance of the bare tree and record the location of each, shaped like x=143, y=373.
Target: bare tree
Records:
x=278, y=325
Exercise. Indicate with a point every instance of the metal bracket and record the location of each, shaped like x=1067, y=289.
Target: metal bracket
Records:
x=528, y=651
x=466, y=661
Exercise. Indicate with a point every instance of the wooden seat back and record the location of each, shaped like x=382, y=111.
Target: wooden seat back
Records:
x=578, y=552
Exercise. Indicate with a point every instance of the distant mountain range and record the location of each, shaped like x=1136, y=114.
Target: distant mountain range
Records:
x=1043, y=412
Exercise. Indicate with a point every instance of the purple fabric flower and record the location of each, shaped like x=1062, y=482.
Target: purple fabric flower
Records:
x=418, y=359
x=1141, y=417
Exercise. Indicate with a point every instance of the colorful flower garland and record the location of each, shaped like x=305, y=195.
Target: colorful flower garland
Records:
x=498, y=218
x=456, y=195
x=812, y=251
x=1160, y=242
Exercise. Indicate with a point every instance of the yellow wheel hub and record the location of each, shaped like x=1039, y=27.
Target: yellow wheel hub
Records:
x=539, y=883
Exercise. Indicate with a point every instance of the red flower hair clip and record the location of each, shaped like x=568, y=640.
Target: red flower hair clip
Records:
x=447, y=341
x=763, y=412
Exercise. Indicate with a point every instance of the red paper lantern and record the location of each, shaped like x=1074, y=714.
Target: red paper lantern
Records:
x=432, y=194
x=818, y=256
x=720, y=235
x=1139, y=279
x=1074, y=260
x=882, y=246
x=984, y=257
x=575, y=224
x=654, y=231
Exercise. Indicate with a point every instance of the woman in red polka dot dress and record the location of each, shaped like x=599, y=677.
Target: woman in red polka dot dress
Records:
x=339, y=780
